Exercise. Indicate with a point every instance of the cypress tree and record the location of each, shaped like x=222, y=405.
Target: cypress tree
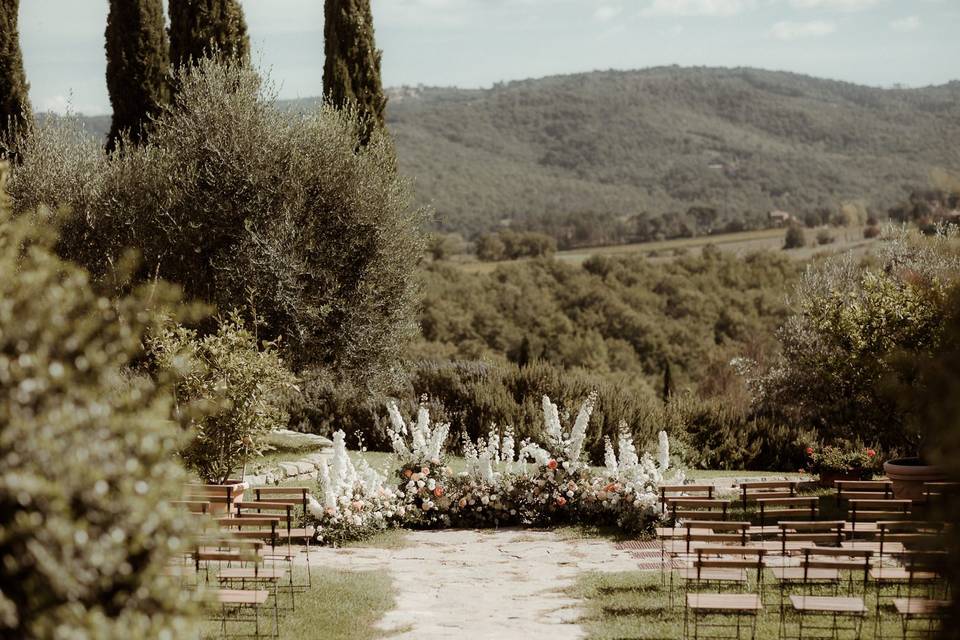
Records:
x=351, y=70
x=138, y=66
x=14, y=99
x=667, y=381
x=199, y=27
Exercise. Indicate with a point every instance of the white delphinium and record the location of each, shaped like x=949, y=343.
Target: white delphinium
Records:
x=551, y=419
x=493, y=443
x=574, y=447
x=628, y=452
x=507, y=445
x=610, y=458
x=663, y=451
x=533, y=451
x=421, y=430
x=344, y=474
x=486, y=468
x=398, y=432
x=426, y=443
x=329, y=495
x=436, y=441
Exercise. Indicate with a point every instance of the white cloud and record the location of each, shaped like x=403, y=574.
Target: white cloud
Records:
x=836, y=5
x=605, y=13
x=910, y=23
x=798, y=30
x=697, y=7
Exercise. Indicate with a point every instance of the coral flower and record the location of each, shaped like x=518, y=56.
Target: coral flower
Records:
x=407, y=473
x=561, y=501
x=462, y=503
x=809, y=450
x=552, y=465
x=438, y=492
x=425, y=471
x=871, y=453
x=610, y=487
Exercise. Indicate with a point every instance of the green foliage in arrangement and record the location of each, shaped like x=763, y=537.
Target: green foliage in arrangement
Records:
x=138, y=67
x=621, y=156
x=87, y=455
x=853, y=328
x=15, y=111
x=351, y=67
x=241, y=202
x=243, y=386
x=199, y=28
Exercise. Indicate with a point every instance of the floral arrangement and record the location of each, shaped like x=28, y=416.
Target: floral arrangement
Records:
x=502, y=483
x=855, y=461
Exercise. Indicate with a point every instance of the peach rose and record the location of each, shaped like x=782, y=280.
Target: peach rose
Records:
x=552, y=464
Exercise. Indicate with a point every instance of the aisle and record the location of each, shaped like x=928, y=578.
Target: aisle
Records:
x=481, y=585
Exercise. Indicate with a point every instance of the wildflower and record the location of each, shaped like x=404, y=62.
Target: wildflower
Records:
x=552, y=464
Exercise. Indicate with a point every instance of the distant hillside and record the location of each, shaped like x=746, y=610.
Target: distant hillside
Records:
x=601, y=157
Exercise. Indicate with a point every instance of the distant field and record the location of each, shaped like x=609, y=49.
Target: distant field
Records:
x=741, y=243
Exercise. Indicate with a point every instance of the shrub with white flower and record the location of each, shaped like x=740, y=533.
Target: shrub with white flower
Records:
x=422, y=472
x=483, y=494
x=356, y=502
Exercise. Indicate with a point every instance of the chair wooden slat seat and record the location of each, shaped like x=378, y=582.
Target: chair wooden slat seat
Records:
x=794, y=574
x=713, y=574
x=828, y=604
x=251, y=573
x=900, y=574
x=252, y=597
x=724, y=601
x=919, y=607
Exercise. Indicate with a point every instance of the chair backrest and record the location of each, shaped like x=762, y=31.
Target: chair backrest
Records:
x=787, y=507
x=821, y=532
x=864, y=489
x=750, y=491
x=684, y=490
x=698, y=508
x=859, y=510
x=730, y=557
x=298, y=495
x=856, y=561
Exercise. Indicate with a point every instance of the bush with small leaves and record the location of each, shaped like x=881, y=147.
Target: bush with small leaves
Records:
x=795, y=238
x=87, y=455
x=245, y=389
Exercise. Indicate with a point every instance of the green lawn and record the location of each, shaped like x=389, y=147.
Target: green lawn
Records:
x=634, y=605
x=342, y=605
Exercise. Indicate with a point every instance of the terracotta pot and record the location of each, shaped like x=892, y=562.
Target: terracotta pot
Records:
x=908, y=476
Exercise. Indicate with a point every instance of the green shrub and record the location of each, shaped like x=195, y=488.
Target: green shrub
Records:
x=825, y=237
x=88, y=455
x=243, y=387
x=837, y=373
x=795, y=238
x=238, y=200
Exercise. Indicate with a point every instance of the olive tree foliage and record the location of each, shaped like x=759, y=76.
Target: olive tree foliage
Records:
x=852, y=326
x=239, y=201
x=87, y=455
x=243, y=389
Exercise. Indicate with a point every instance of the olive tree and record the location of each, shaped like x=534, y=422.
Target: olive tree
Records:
x=242, y=202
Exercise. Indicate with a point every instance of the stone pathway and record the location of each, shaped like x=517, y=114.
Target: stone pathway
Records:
x=479, y=585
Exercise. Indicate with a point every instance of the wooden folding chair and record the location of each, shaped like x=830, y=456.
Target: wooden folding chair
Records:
x=923, y=605
x=699, y=533
x=799, y=507
x=867, y=511
x=794, y=537
x=698, y=508
x=299, y=497
x=684, y=491
x=863, y=489
x=751, y=491
x=854, y=562
x=237, y=601
x=220, y=496
x=724, y=565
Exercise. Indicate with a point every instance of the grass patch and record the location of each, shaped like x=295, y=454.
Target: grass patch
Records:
x=389, y=539
x=342, y=605
x=633, y=605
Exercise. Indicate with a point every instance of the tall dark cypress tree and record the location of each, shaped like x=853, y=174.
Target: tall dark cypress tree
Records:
x=199, y=27
x=138, y=66
x=14, y=99
x=667, y=381
x=351, y=71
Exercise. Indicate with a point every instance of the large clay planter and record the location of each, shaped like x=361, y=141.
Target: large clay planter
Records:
x=908, y=476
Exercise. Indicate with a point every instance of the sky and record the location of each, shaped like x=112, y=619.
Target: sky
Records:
x=475, y=43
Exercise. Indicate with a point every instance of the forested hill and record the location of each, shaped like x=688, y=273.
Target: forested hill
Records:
x=600, y=157
x=549, y=152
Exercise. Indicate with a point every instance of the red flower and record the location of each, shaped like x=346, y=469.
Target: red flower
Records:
x=561, y=501
x=552, y=465
x=438, y=492
x=871, y=453
x=809, y=451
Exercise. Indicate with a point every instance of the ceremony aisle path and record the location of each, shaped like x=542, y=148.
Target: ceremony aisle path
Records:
x=466, y=584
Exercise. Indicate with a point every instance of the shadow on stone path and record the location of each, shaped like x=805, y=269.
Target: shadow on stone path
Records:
x=467, y=584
